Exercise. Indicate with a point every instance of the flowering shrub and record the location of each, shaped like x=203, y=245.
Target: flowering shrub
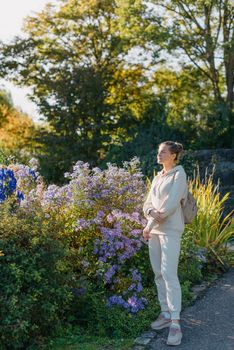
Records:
x=100, y=215
x=97, y=214
x=105, y=226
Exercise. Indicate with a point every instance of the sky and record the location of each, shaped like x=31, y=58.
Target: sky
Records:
x=12, y=13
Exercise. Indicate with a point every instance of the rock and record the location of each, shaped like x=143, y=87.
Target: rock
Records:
x=149, y=334
x=142, y=340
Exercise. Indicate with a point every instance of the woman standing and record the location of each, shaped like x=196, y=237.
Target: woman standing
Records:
x=164, y=229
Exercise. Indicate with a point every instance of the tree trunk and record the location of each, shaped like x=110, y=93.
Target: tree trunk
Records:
x=228, y=53
x=210, y=53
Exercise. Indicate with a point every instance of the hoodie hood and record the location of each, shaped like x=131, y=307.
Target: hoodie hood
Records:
x=172, y=170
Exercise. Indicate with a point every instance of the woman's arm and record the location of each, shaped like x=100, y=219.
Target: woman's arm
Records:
x=148, y=205
x=176, y=193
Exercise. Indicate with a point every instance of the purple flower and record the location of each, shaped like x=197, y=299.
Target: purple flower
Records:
x=132, y=287
x=20, y=196
x=133, y=304
x=139, y=287
x=8, y=183
x=81, y=224
x=110, y=273
x=136, y=276
x=110, y=218
x=77, y=292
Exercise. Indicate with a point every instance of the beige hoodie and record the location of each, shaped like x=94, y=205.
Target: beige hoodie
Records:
x=165, y=195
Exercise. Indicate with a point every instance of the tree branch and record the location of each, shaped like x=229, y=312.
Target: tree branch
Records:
x=196, y=64
x=190, y=15
x=219, y=25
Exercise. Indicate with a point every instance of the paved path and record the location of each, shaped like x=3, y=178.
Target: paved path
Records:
x=209, y=323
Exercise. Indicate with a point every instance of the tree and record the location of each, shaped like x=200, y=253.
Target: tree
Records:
x=75, y=58
x=17, y=129
x=5, y=98
x=204, y=31
x=189, y=106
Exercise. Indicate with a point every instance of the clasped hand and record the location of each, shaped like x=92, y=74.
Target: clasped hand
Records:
x=146, y=233
x=157, y=215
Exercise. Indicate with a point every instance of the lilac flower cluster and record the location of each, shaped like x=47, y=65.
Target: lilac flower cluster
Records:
x=133, y=304
x=110, y=205
x=83, y=223
x=27, y=178
x=122, y=188
x=136, y=282
x=115, y=245
x=24, y=171
x=20, y=180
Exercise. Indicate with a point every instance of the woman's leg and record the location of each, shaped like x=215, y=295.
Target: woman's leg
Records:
x=155, y=259
x=170, y=251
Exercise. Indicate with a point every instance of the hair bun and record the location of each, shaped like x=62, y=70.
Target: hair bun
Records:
x=179, y=146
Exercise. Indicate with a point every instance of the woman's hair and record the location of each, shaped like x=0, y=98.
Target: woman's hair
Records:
x=175, y=148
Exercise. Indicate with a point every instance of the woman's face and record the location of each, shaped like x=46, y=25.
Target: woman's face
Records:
x=164, y=156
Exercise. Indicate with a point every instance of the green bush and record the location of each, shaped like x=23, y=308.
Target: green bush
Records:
x=99, y=320
x=35, y=295
x=191, y=259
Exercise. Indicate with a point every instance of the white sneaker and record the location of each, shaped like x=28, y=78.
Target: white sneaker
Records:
x=161, y=322
x=174, y=336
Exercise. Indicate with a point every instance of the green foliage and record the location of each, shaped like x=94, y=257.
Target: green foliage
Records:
x=211, y=228
x=5, y=157
x=56, y=153
x=5, y=98
x=186, y=293
x=90, y=342
x=96, y=319
x=144, y=139
x=220, y=118
x=190, y=265
x=35, y=293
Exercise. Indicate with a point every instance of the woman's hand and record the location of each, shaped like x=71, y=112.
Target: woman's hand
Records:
x=146, y=233
x=156, y=215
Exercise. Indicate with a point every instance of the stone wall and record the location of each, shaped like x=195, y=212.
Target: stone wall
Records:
x=222, y=160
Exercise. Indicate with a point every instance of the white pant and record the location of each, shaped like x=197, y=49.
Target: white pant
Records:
x=164, y=254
